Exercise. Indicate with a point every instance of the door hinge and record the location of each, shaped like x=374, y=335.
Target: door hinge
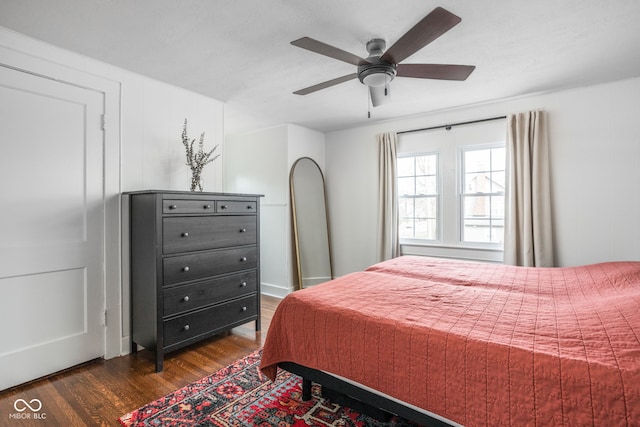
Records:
x=105, y=318
x=103, y=122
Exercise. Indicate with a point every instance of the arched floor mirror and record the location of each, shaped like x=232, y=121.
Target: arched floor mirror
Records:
x=310, y=223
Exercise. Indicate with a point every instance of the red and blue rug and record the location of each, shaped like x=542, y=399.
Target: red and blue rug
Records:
x=240, y=396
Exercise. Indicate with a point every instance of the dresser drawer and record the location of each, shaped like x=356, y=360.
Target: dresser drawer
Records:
x=209, y=320
x=196, y=295
x=190, y=206
x=184, y=268
x=184, y=234
x=234, y=206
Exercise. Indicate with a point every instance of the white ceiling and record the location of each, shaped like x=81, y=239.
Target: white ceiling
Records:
x=239, y=51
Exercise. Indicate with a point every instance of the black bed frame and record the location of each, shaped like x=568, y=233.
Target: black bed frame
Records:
x=359, y=399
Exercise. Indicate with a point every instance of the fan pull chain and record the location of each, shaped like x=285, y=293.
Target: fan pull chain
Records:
x=368, y=103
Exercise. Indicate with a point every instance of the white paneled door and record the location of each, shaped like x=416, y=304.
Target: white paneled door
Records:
x=51, y=226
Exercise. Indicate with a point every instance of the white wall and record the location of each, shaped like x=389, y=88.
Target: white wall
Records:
x=259, y=162
x=143, y=150
x=153, y=114
x=595, y=149
x=305, y=142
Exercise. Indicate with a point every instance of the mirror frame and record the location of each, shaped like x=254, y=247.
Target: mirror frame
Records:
x=295, y=222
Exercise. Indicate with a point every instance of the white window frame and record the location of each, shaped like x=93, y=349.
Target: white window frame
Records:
x=449, y=145
x=460, y=179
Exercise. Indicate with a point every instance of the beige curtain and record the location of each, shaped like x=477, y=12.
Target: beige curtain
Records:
x=528, y=229
x=388, y=243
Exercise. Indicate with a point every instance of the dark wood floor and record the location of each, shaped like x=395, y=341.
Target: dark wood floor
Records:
x=99, y=392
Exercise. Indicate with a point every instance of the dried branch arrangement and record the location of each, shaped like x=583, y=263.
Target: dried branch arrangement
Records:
x=196, y=160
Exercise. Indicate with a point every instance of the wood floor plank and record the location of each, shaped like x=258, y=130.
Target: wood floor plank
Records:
x=97, y=393
x=64, y=413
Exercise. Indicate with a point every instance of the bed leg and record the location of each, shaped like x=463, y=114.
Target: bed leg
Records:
x=306, y=389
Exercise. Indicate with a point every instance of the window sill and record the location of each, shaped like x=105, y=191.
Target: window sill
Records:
x=485, y=254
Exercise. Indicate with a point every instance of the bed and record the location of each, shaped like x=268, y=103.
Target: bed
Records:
x=476, y=344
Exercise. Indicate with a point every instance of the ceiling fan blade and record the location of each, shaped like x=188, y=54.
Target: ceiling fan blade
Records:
x=328, y=50
x=379, y=94
x=432, y=26
x=435, y=71
x=326, y=84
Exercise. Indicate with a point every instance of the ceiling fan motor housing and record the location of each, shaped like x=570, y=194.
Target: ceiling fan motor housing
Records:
x=376, y=72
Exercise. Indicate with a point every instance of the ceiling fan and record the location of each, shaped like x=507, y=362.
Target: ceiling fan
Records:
x=380, y=67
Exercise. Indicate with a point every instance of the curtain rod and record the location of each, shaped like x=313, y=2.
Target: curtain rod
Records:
x=449, y=126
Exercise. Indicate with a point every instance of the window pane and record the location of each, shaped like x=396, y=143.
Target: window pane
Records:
x=426, y=229
x=477, y=160
x=406, y=186
x=405, y=208
x=477, y=183
x=426, y=185
x=477, y=206
x=498, y=158
x=497, y=234
x=497, y=181
x=426, y=165
x=483, y=231
x=484, y=219
x=406, y=228
x=426, y=207
x=497, y=208
x=405, y=166
x=477, y=230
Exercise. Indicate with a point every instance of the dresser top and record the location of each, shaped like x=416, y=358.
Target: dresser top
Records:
x=190, y=193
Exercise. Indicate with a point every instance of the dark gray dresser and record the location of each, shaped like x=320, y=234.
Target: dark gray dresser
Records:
x=195, y=266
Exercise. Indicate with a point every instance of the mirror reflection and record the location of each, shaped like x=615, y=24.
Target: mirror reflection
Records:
x=310, y=223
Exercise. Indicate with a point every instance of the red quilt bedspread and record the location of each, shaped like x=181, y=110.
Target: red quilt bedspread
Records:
x=480, y=344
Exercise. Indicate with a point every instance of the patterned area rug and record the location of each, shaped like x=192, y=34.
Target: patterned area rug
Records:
x=239, y=395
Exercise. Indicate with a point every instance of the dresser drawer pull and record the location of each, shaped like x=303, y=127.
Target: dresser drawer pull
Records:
x=206, y=207
x=244, y=308
x=185, y=269
x=224, y=207
x=243, y=230
x=185, y=234
x=243, y=284
x=243, y=259
x=186, y=327
x=173, y=207
x=186, y=298
x=250, y=207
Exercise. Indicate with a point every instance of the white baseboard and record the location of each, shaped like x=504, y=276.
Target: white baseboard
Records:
x=125, y=345
x=274, y=290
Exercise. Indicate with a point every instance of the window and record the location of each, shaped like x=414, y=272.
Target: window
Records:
x=451, y=186
x=418, y=196
x=482, y=195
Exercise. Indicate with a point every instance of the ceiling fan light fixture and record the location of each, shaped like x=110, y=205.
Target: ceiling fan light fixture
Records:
x=376, y=74
x=379, y=95
x=376, y=79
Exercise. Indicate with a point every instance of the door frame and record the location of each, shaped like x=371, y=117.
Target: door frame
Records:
x=12, y=55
